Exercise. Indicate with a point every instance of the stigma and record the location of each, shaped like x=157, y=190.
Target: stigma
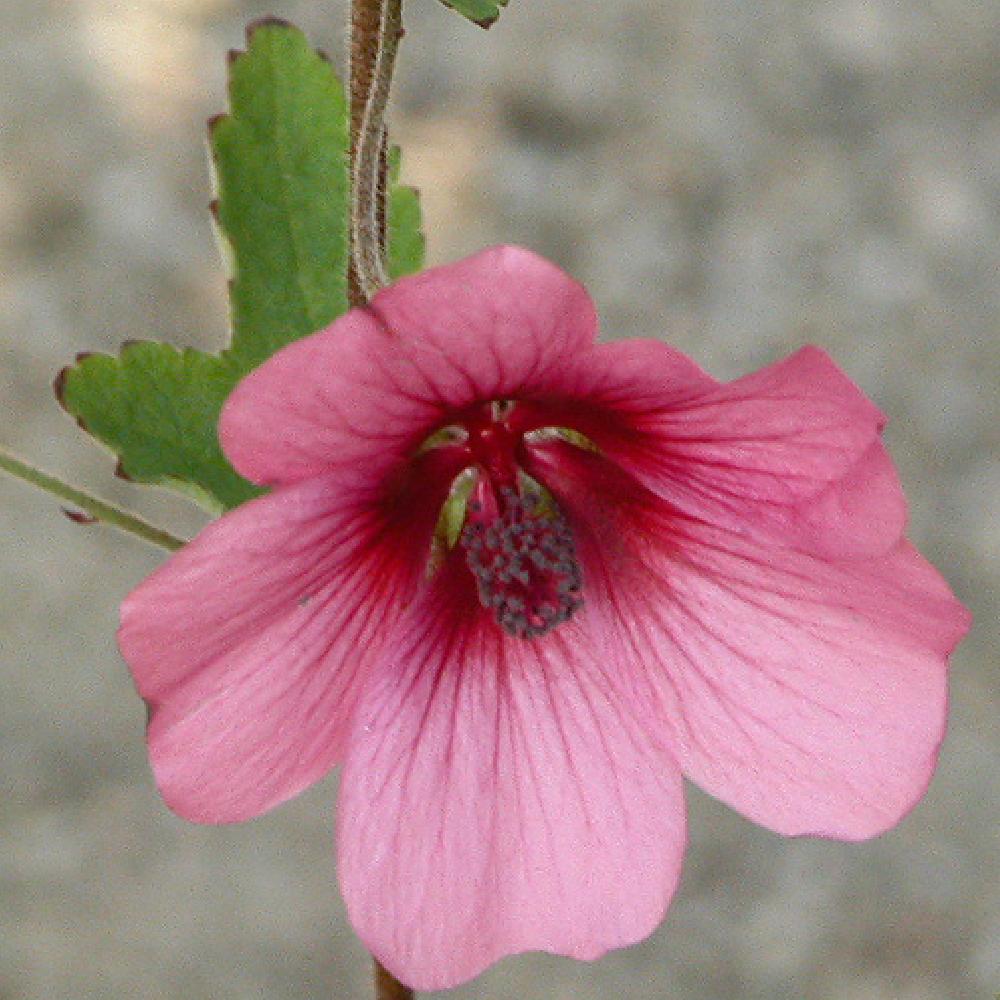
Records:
x=524, y=562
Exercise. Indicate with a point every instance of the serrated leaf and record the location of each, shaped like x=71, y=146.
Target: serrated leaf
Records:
x=483, y=12
x=283, y=181
x=281, y=166
x=406, y=237
x=158, y=407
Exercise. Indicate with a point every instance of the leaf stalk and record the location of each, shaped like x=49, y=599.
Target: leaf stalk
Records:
x=95, y=509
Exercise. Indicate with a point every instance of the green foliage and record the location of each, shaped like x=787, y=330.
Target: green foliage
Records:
x=483, y=12
x=283, y=186
x=281, y=159
x=406, y=237
x=157, y=408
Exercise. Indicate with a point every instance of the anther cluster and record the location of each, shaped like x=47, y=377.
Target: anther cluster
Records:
x=524, y=563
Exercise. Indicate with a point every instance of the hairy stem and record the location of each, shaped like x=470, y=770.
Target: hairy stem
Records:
x=93, y=508
x=376, y=28
x=387, y=987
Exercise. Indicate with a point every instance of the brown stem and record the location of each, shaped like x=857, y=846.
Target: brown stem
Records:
x=387, y=987
x=375, y=32
x=366, y=16
x=376, y=27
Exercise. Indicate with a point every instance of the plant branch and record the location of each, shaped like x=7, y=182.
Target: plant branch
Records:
x=95, y=509
x=376, y=28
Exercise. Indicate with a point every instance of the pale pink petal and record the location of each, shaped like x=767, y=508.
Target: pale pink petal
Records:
x=499, y=796
x=502, y=322
x=861, y=515
x=258, y=725
x=779, y=435
x=250, y=644
x=811, y=697
x=326, y=402
x=808, y=694
x=766, y=452
x=370, y=387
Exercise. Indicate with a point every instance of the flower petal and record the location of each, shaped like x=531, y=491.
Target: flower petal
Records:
x=499, y=798
x=860, y=515
x=808, y=694
x=373, y=384
x=634, y=378
x=249, y=645
x=764, y=453
x=811, y=697
x=778, y=435
x=502, y=321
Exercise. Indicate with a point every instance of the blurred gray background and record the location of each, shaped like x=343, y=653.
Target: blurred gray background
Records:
x=737, y=176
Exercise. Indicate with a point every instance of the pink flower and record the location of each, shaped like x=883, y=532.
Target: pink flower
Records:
x=657, y=575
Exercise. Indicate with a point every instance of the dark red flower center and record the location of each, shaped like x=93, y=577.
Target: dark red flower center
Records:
x=524, y=562
x=518, y=545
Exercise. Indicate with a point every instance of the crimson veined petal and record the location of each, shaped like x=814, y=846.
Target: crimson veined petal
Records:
x=626, y=379
x=788, y=449
x=860, y=515
x=379, y=380
x=251, y=644
x=501, y=795
x=809, y=694
x=780, y=434
x=811, y=698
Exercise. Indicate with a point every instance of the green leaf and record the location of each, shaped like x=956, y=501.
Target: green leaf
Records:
x=282, y=174
x=406, y=238
x=157, y=408
x=483, y=12
x=281, y=169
